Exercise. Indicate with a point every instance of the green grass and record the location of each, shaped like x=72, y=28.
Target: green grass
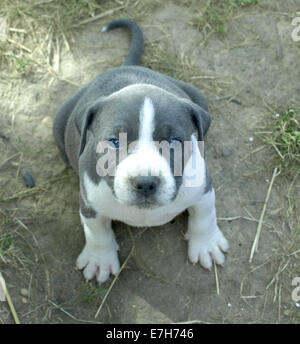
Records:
x=22, y=66
x=9, y=252
x=284, y=135
x=216, y=14
x=91, y=293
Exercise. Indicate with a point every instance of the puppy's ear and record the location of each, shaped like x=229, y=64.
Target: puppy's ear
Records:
x=84, y=122
x=201, y=119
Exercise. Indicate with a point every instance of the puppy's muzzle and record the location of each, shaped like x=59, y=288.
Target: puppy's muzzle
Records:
x=145, y=186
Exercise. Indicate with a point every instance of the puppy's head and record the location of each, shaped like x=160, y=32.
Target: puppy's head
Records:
x=143, y=138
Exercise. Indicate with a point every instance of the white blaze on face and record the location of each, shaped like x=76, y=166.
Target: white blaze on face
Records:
x=147, y=123
x=144, y=160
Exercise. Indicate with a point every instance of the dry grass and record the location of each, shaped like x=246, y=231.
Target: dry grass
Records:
x=282, y=136
x=215, y=15
x=285, y=261
x=37, y=31
x=260, y=223
x=282, y=132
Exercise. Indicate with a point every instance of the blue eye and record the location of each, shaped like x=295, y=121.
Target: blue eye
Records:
x=174, y=141
x=115, y=143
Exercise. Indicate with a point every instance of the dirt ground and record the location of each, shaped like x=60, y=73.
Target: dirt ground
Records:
x=41, y=236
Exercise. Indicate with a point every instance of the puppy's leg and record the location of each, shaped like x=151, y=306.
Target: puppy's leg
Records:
x=99, y=257
x=205, y=240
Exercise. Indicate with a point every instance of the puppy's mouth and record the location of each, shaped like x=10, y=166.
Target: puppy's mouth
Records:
x=141, y=203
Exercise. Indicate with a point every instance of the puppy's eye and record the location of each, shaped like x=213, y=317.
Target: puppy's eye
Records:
x=175, y=142
x=114, y=143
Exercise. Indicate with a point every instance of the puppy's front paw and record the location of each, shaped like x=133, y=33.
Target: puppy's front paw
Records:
x=98, y=263
x=207, y=247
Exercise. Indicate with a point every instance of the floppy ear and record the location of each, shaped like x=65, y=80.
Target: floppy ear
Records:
x=201, y=119
x=84, y=122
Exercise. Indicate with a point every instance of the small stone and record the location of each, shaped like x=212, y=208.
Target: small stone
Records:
x=24, y=300
x=223, y=151
x=251, y=139
x=297, y=304
x=226, y=152
x=24, y=292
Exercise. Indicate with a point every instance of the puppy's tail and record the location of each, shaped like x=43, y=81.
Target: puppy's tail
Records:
x=137, y=44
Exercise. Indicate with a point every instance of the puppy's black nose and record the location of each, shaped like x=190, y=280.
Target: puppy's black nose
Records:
x=145, y=185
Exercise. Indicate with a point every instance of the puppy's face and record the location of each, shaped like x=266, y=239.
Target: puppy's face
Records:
x=143, y=137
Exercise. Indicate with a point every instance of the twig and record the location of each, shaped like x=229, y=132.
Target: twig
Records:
x=56, y=64
x=254, y=151
x=99, y=16
x=9, y=301
x=276, y=276
x=260, y=223
x=33, y=191
x=244, y=218
x=202, y=77
x=229, y=97
x=10, y=158
x=117, y=276
x=247, y=274
x=19, y=45
x=279, y=304
x=217, y=279
x=12, y=29
x=2, y=289
x=70, y=315
x=229, y=218
x=277, y=151
x=190, y=322
x=66, y=42
x=42, y=3
x=295, y=252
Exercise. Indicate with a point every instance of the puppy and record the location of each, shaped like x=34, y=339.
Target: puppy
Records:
x=134, y=137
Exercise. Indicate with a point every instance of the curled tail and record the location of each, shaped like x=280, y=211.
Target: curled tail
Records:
x=137, y=44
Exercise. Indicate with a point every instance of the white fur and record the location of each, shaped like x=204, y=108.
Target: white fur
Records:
x=99, y=257
x=147, y=123
x=205, y=240
x=129, y=90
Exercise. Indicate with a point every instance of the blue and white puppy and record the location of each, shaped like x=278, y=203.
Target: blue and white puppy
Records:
x=148, y=107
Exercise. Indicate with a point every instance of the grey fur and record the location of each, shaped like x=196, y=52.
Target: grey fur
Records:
x=137, y=45
x=86, y=210
x=208, y=181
